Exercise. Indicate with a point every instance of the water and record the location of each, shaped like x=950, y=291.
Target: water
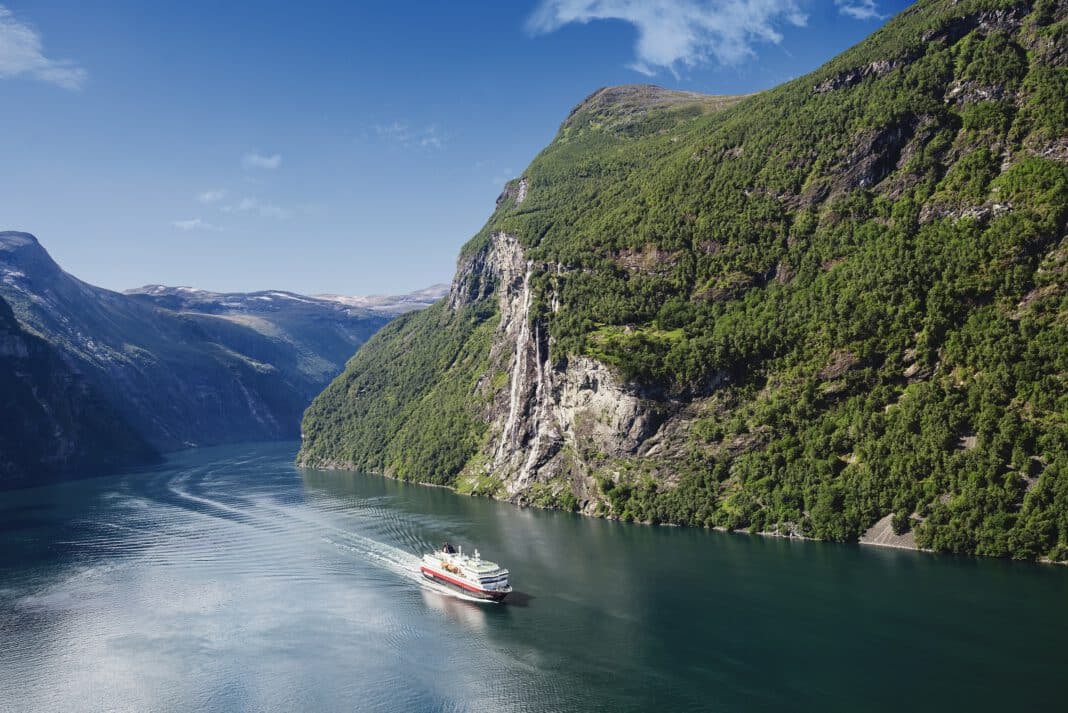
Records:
x=228, y=580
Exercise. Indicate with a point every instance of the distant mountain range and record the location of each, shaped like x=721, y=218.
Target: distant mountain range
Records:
x=278, y=301
x=161, y=368
x=394, y=304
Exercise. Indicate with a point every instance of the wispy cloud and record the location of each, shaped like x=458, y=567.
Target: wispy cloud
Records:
x=211, y=196
x=679, y=33
x=255, y=159
x=22, y=54
x=257, y=207
x=859, y=9
x=403, y=134
x=194, y=224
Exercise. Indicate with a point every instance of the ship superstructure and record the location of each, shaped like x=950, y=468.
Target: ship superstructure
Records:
x=469, y=574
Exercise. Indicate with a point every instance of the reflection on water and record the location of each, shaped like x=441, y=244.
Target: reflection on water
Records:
x=226, y=579
x=468, y=614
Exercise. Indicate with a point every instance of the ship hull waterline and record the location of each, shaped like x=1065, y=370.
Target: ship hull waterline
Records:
x=462, y=587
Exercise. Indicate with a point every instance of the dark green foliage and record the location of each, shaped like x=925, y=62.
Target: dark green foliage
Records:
x=991, y=60
x=871, y=256
x=412, y=390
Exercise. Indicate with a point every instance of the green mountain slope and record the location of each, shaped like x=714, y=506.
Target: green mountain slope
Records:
x=832, y=309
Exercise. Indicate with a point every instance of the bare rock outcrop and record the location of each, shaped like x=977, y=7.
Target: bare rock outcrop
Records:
x=852, y=77
x=876, y=154
x=516, y=190
x=548, y=413
x=480, y=274
x=986, y=21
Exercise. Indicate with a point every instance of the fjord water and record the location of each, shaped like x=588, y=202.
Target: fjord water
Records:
x=226, y=579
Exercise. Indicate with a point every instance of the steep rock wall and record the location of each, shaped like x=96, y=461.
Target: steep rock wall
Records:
x=550, y=411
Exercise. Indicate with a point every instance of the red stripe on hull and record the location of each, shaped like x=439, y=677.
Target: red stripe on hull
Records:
x=434, y=574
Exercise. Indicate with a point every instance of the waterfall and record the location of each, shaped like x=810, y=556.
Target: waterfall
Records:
x=519, y=367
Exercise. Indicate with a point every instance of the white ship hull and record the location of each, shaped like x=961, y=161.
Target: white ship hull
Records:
x=471, y=576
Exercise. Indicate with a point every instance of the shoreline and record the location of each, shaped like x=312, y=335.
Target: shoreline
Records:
x=741, y=531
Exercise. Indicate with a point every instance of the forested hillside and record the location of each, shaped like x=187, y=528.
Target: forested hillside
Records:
x=798, y=312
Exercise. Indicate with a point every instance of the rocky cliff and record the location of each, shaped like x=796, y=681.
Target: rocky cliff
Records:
x=800, y=312
x=548, y=417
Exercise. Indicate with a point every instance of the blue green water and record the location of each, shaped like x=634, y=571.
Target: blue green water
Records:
x=228, y=580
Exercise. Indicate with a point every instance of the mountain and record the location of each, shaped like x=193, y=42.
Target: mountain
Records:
x=52, y=422
x=835, y=309
x=287, y=304
x=183, y=367
x=393, y=305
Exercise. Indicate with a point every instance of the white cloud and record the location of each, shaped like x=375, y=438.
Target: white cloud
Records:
x=254, y=159
x=679, y=32
x=859, y=9
x=431, y=139
x=401, y=133
x=21, y=54
x=257, y=207
x=397, y=131
x=194, y=224
x=211, y=196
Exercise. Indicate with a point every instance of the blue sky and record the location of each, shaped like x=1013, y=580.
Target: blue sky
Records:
x=345, y=147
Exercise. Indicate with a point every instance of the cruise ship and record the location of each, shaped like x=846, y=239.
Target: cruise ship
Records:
x=470, y=575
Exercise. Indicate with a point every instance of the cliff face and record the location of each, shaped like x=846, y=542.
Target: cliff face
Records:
x=800, y=312
x=546, y=418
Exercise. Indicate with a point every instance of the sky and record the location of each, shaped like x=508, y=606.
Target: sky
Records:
x=329, y=146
